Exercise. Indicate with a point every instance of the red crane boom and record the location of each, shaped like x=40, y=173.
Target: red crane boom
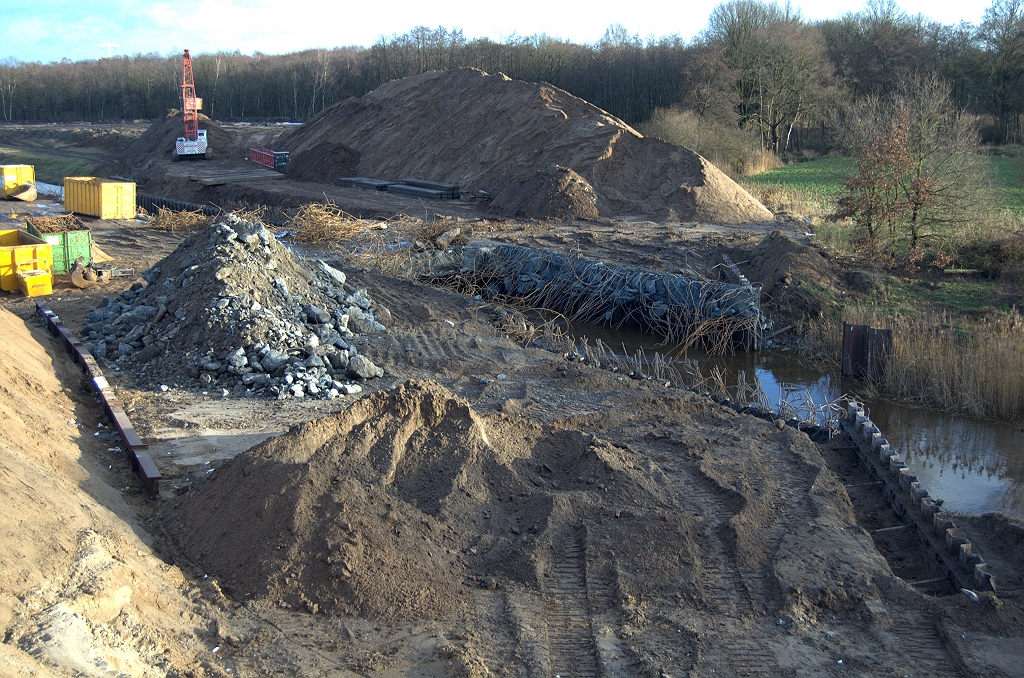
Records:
x=189, y=110
x=193, y=144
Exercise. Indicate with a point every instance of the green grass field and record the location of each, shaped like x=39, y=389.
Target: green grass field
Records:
x=821, y=181
x=50, y=169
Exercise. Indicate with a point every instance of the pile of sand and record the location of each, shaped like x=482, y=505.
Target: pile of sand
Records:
x=158, y=140
x=797, y=279
x=391, y=508
x=80, y=594
x=517, y=141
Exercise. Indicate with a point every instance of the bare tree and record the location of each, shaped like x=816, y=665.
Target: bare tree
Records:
x=1002, y=38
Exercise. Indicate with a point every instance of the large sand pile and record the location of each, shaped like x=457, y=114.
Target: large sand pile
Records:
x=504, y=136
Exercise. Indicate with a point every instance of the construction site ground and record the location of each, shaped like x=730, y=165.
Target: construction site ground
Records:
x=604, y=526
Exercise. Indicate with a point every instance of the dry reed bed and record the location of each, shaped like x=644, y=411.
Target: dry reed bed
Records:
x=959, y=364
x=974, y=368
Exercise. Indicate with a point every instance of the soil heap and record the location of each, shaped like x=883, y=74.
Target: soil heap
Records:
x=517, y=141
x=159, y=139
x=797, y=280
x=387, y=508
x=233, y=308
x=80, y=593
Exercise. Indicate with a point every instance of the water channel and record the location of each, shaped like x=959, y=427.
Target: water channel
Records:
x=973, y=465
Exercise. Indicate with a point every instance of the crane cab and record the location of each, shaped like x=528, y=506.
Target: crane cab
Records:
x=185, y=149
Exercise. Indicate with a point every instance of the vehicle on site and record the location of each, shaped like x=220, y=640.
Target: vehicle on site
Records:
x=193, y=145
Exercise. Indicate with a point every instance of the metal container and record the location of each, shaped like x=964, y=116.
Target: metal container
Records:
x=22, y=251
x=275, y=160
x=100, y=197
x=17, y=177
x=67, y=246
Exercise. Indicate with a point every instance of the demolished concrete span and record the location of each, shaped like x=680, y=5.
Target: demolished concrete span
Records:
x=686, y=310
x=538, y=150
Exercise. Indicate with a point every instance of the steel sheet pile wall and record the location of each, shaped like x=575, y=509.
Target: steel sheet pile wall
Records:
x=142, y=463
x=905, y=494
x=685, y=309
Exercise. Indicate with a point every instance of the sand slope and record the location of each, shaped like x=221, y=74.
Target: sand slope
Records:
x=80, y=593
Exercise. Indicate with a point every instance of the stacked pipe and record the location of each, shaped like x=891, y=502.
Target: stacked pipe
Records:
x=915, y=505
x=141, y=462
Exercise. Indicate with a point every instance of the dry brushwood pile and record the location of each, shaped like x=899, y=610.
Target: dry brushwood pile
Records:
x=326, y=224
x=685, y=309
x=176, y=222
x=57, y=223
x=235, y=309
x=538, y=150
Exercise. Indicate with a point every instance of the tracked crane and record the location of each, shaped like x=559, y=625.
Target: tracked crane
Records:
x=193, y=144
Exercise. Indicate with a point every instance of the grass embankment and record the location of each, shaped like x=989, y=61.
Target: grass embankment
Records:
x=958, y=340
x=50, y=168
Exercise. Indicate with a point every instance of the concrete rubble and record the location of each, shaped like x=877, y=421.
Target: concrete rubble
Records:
x=233, y=309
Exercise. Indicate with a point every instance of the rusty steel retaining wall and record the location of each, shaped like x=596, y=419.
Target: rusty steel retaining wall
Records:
x=141, y=462
x=902, y=489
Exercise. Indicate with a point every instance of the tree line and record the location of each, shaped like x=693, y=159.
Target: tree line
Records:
x=758, y=65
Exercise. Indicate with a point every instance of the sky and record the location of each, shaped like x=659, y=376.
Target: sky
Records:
x=51, y=30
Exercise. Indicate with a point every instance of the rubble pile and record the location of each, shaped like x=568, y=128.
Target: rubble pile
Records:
x=233, y=308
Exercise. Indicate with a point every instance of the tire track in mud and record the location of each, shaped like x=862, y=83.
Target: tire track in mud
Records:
x=731, y=592
x=571, y=647
x=922, y=646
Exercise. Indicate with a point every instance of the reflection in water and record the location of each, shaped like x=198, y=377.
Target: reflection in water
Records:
x=974, y=466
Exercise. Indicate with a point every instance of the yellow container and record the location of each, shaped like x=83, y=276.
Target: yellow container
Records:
x=100, y=197
x=16, y=177
x=20, y=251
x=35, y=283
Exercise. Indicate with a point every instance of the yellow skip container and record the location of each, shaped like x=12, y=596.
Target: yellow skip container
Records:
x=101, y=198
x=19, y=181
x=35, y=283
x=19, y=252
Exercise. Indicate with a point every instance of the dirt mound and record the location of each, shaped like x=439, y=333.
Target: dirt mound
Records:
x=796, y=277
x=492, y=133
x=323, y=163
x=233, y=308
x=556, y=193
x=386, y=509
x=159, y=139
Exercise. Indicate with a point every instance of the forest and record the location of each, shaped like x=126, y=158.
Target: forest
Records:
x=757, y=66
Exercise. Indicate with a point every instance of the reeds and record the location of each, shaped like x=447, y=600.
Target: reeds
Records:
x=969, y=366
x=955, y=363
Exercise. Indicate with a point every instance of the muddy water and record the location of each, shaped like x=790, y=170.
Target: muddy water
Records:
x=973, y=465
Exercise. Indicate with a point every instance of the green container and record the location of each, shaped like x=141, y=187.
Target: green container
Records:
x=67, y=247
